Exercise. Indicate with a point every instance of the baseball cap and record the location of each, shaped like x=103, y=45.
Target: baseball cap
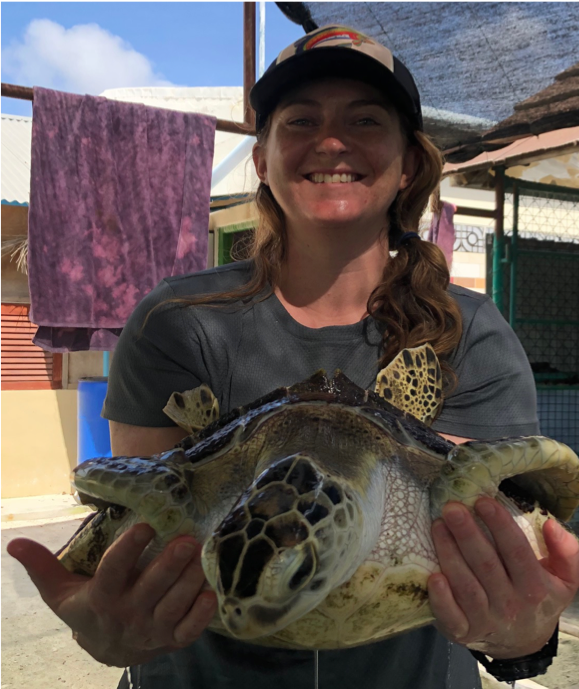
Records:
x=340, y=51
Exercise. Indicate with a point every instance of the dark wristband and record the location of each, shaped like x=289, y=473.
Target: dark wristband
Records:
x=511, y=669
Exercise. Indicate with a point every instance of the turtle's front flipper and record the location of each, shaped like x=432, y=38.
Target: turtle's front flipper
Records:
x=84, y=551
x=547, y=471
x=412, y=382
x=194, y=409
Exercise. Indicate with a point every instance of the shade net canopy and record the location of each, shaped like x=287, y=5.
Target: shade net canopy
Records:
x=472, y=62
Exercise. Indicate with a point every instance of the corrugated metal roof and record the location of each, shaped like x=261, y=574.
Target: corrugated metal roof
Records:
x=16, y=141
x=525, y=150
x=549, y=158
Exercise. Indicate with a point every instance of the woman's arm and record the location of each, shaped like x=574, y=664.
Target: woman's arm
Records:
x=142, y=441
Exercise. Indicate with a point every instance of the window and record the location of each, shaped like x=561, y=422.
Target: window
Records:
x=24, y=365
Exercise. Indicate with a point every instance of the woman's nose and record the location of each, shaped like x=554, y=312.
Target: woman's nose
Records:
x=331, y=144
x=332, y=139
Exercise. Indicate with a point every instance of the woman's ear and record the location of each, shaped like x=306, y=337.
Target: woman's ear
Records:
x=258, y=154
x=409, y=166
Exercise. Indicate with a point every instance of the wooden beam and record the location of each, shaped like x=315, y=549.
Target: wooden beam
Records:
x=476, y=212
x=245, y=128
x=20, y=92
x=248, y=60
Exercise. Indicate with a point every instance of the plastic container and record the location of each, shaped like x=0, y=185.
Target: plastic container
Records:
x=94, y=439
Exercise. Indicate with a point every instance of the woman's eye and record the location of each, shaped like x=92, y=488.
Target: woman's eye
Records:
x=302, y=121
x=367, y=121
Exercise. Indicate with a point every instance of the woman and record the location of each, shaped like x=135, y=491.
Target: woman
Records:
x=345, y=175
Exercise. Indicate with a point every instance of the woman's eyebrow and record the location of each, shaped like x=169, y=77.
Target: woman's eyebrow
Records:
x=365, y=102
x=373, y=101
x=298, y=101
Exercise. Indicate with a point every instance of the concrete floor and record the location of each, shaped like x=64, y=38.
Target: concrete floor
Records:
x=37, y=649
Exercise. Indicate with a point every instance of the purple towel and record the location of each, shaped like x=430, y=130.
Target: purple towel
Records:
x=441, y=230
x=119, y=199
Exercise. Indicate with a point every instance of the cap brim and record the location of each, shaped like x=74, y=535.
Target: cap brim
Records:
x=327, y=62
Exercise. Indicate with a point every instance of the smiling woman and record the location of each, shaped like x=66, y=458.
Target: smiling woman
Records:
x=336, y=277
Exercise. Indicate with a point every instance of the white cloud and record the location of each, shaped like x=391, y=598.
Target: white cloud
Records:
x=83, y=59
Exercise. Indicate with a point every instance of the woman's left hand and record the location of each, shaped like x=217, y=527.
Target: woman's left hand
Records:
x=500, y=600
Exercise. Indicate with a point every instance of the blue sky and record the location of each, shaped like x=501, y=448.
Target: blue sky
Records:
x=86, y=47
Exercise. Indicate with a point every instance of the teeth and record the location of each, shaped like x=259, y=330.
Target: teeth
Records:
x=319, y=178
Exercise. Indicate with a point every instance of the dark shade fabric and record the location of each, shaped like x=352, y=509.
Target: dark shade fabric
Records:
x=119, y=200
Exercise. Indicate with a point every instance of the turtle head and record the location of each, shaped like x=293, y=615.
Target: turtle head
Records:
x=290, y=539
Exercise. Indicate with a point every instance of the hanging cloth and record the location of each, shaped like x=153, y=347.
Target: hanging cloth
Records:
x=441, y=230
x=119, y=199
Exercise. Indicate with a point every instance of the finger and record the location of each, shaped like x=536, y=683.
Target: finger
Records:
x=161, y=574
x=117, y=566
x=563, y=558
x=49, y=576
x=519, y=560
x=479, y=554
x=466, y=589
x=450, y=619
x=200, y=615
x=180, y=598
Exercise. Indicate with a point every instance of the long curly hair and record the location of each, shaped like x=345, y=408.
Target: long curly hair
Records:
x=411, y=301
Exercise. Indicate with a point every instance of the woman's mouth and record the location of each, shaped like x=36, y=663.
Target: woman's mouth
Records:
x=336, y=178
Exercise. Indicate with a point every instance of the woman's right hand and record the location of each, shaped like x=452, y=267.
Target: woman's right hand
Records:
x=122, y=616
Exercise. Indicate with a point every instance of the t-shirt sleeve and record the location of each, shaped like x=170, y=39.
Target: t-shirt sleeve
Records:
x=151, y=363
x=496, y=395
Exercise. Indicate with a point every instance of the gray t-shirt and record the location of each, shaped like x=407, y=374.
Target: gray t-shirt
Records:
x=244, y=352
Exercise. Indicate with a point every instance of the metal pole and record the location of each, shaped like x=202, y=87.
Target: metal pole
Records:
x=499, y=239
x=513, y=257
x=106, y=363
x=261, y=68
x=248, y=60
x=231, y=161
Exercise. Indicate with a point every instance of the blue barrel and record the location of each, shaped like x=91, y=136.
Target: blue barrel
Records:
x=94, y=439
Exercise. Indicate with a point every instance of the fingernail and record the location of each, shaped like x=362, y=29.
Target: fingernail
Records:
x=558, y=532
x=439, y=584
x=184, y=551
x=454, y=515
x=485, y=508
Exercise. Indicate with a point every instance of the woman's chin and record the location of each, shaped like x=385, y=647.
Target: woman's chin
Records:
x=335, y=220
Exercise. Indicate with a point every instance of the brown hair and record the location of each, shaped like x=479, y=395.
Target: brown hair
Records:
x=411, y=301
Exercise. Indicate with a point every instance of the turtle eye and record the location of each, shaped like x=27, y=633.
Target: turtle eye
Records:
x=333, y=493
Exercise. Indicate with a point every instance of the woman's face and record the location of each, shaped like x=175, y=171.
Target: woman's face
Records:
x=335, y=154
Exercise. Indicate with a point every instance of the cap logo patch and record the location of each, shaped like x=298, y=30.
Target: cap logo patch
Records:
x=338, y=35
x=330, y=36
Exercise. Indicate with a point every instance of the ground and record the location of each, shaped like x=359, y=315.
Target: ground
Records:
x=37, y=649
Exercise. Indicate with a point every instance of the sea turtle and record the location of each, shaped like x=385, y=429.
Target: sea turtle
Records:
x=315, y=502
